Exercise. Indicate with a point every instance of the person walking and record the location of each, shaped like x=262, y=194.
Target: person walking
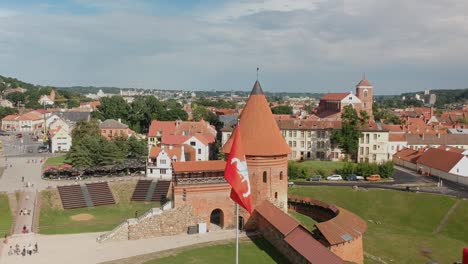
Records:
x=36, y=249
x=22, y=179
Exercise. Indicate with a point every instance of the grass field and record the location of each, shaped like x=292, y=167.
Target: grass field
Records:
x=303, y=219
x=258, y=251
x=5, y=215
x=407, y=222
x=57, y=161
x=324, y=168
x=105, y=218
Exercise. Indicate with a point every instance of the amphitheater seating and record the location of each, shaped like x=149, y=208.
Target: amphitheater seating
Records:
x=100, y=193
x=162, y=187
x=141, y=189
x=72, y=197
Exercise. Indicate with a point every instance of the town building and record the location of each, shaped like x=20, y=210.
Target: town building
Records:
x=111, y=128
x=373, y=145
x=32, y=121
x=90, y=105
x=331, y=104
x=417, y=141
x=47, y=99
x=160, y=160
x=60, y=140
x=5, y=103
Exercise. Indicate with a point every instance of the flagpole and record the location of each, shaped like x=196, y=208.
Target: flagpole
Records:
x=237, y=233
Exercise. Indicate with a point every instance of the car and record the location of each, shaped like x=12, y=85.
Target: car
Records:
x=3, y=133
x=30, y=150
x=42, y=149
x=334, y=177
x=315, y=178
x=374, y=177
x=19, y=135
x=354, y=177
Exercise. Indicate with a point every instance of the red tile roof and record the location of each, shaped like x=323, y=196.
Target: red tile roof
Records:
x=409, y=155
x=10, y=118
x=199, y=166
x=364, y=82
x=334, y=96
x=302, y=241
x=189, y=152
x=260, y=133
x=163, y=128
x=174, y=139
x=398, y=137
x=440, y=159
x=277, y=218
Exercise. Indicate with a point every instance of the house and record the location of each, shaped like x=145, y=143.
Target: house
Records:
x=61, y=123
x=29, y=122
x=60, y=140
x=396, y=142
x=158, y=129
x=90, y=105
x=5, y=103
x=373, y=145
x=417, y=141
x=199, y=143
x=160, y=160
x=111, y=128
x=47, y=99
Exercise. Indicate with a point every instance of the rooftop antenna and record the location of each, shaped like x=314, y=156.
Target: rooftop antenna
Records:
x=257, y=72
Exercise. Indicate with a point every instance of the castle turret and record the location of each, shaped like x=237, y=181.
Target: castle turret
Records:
x=364, y=91
x=265, y=149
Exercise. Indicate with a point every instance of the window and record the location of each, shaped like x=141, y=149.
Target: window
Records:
x=264, y=176
x=308, y=144
x=302, y=144
x=281, y=175
x=290, y=133
x=290, y=143
x=350, y=98
x=276, y=195
x=302, y=133
x=294, y=133
x=294, y=143
x=365, y=93
x=163, y=161
x=367, y=150
x=361, y=140
x=163, y=171
x=151, y=171
x=199, y=151
x=374, y=157
x=375, y=147
x=375, y=136
x=361, y=150
x=367, y=138
x=192, y=143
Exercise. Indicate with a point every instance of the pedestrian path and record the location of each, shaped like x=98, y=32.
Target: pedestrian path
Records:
x=83, y=248
x=25, y=213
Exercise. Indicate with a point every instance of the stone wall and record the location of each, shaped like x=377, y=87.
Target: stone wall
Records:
x=172, y=222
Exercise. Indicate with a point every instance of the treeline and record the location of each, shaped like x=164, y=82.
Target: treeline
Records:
x=90, y=149
x=365, y=169
x=217, y=104
x=4, y=111
x=91, y=89
x=139, y=114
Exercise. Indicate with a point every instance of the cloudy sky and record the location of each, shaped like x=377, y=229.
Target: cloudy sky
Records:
x=302, y=45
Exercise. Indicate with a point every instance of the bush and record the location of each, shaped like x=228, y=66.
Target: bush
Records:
x=386, y=169
x=348, y=168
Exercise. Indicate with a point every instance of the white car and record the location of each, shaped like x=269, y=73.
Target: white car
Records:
x=359, y=178
x=335, y=177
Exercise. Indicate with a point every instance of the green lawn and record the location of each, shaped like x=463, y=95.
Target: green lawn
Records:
x=317, y=167
x=258, y=251
x=407, y=221
x=303, y=219
x=57, y=161
x=54, y=221
x=5, y=215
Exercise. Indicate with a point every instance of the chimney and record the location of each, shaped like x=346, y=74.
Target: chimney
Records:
x=182, y=154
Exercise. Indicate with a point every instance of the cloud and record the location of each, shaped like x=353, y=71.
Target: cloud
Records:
x=301, y=45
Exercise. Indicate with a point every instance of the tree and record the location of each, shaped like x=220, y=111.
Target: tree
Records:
x=347, y=138
x=85, y=128
x=282, y=110
x=110, y=153
x=4, y=111
x=79, y=157
x=16, y=97
x=137, y=148
x=114, y=107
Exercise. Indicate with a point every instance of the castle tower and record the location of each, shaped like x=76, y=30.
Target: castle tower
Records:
x=364, y=91
x=265, y=149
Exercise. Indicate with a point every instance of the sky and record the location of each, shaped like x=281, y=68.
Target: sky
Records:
x=299, y=46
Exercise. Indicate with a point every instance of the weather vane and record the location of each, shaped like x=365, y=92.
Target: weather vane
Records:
x=257, y=72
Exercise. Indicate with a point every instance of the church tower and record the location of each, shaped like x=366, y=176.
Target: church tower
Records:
x=364, y=91
x=265, y=149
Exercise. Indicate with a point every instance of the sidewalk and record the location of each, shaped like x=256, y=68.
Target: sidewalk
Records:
x=83, y=248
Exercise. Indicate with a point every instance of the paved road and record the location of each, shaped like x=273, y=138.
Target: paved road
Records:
x=402, y=177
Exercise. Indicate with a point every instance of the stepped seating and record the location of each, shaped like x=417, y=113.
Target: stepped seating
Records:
x=100, y=193
x=160, y=192
x=72, y=197
x=142, y=187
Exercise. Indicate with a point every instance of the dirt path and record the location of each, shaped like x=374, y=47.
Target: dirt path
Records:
x=446, y=217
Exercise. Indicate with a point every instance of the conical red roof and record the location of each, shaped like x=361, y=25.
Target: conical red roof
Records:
x=259, y=132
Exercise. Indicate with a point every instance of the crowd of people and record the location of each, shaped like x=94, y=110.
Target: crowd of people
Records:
x=27, y=250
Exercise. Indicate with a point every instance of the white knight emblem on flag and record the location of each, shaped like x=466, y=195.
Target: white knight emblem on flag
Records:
x=244, y=173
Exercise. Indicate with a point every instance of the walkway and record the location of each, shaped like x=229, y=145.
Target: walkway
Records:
x=83, y=248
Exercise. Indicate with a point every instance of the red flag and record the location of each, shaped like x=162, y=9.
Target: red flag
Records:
x=237, y=174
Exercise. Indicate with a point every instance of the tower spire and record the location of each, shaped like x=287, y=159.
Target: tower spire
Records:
x=257, y=72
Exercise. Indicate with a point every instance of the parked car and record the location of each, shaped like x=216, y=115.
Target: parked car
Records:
x=315, y=178
x=334, y=177
x=354, y=177
x=19, y=135
x=374, y=177
x=3, y=133
x=42, y=149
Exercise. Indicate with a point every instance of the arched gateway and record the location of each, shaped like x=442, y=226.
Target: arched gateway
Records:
x=217, y=218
